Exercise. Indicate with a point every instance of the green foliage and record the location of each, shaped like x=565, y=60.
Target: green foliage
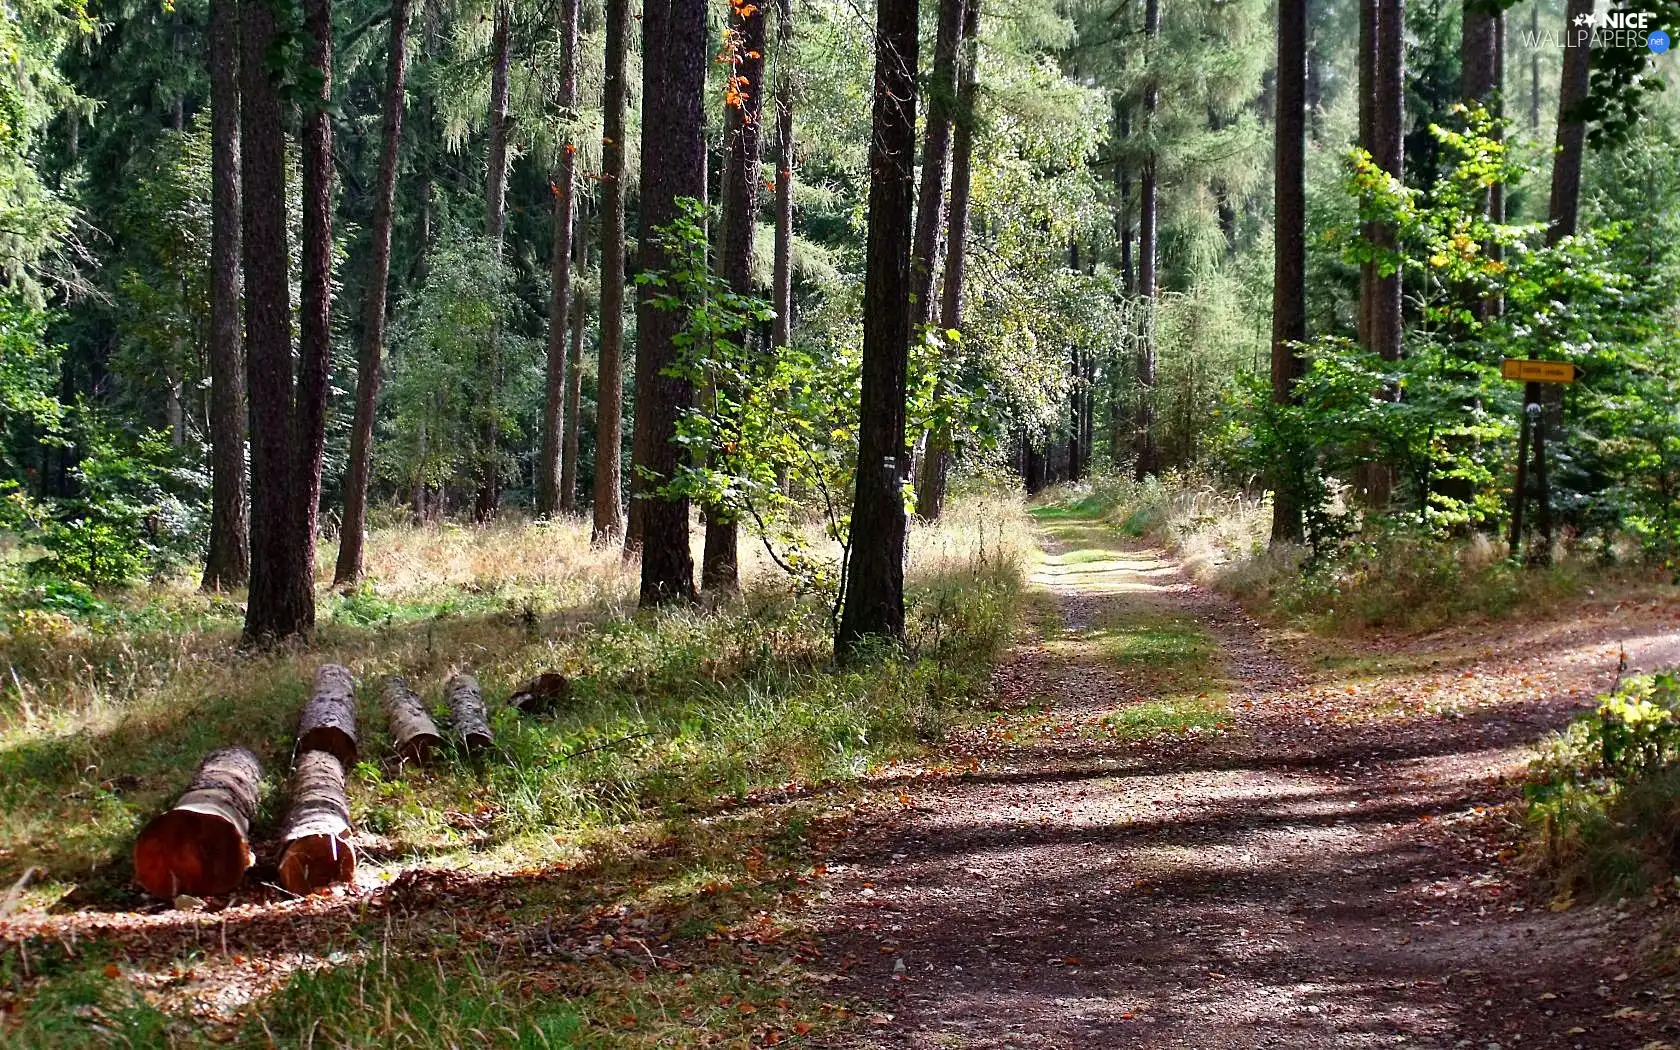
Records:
x=139, y=507
x=444, y=392
x=30, y=412
x=1605, y=792
x=1442, y=417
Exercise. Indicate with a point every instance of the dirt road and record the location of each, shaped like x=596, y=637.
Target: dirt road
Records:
x=1214, y=838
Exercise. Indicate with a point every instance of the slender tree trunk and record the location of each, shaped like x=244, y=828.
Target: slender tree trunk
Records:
x=1367, y=138
x=228, y=564
x=549, y=461
x=1148, y=457
x=873, y=604
x=349, y=567
x=574, y=380
x=490, y=483
x=315, y=291
x=936, y=464
x=743, y=141
x=936, y=158
x=673, y=168
x=1389, y=114
x=1482, y=62
x=1571, y=129
x=609, y=434
x=1315, y=89
x=1289, y=299
x=1123, y=185
x=1534, y=68
x=277, y=607
x=782, y=277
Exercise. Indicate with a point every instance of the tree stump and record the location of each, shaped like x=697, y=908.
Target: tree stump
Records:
x=412, y=729
x=542, y=694
x=316, y=851
x=466, y=710
x=200, y=846
x=329, y=718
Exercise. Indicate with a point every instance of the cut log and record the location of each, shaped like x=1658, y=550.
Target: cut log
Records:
x=542, y=694
x=329, y=718
x=316, y=851
x=466, y=711
x=200, y=847
x=412, y=729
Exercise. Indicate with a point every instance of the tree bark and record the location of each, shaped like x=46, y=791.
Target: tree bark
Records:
x=360, y=469
x=413, y=733
x=1148, y=456
x=228, y=563
x=549, y=461
x=1289, y=299
x=873, y=604
x=673, y=168
x=315, y=299
x=1390, y=126
x=936, y=158
x=574, y=382
x=467, y=719
x=1571, y=129
x=316, y=851
x=782, y=277
x=200, y=845
x=495, y=210
x=609, y=413
x=1534, y=68
x=936, y=464
x=328, y=722
x=280, y=602
x=1482, y=62
x=743, y=144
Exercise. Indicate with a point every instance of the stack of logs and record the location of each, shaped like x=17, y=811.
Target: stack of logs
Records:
x=201, y=846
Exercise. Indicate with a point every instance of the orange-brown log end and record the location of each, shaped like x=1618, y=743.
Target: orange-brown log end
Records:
x=315, y=862
x=184, y=851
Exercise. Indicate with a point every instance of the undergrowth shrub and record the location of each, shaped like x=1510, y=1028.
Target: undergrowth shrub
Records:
x=1604, y=794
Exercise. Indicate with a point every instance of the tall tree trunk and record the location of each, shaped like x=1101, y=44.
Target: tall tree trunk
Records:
x=873, y=603
x=495, y=210
x=1315, y=88
x=349, y=567
x=936, y=465
x=1482, y=62
x=277, y=607
x=673, y=168
x=315, y=291
x=609, y=412
x=1382, y=129
x=782, y=275
x=574, y=379
x=228, y=563
x=743, y=140
x=1123, y=186
x=549, y=466
x=1148, y=457
x=1571, y=129
x=1289, y=297
x=1534, y=67
x=936, y=157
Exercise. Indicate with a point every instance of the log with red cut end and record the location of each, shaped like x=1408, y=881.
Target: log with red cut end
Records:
x=329, y=718
x=411, y=728
x=200, y=847
x=316, y=851
x=466, y=710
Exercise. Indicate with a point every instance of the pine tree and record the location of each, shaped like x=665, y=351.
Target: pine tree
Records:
x=1289, y=297
x=609, y=492
x=549, y=486
x=368, y=367
x=873, y=602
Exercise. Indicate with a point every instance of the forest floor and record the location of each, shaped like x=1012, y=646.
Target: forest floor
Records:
x=1210, y=834
x=1167, y=825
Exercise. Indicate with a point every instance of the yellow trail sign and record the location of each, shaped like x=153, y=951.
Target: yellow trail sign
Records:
x=1538, y=371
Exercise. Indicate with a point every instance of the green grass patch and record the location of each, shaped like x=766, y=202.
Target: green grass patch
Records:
x=1170, y=716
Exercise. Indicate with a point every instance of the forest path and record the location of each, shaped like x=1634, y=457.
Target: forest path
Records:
x=1200, y=841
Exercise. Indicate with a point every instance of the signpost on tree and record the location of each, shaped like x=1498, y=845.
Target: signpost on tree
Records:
x=1533, y=374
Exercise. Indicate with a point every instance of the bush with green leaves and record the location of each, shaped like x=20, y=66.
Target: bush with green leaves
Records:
x=1604, y=794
